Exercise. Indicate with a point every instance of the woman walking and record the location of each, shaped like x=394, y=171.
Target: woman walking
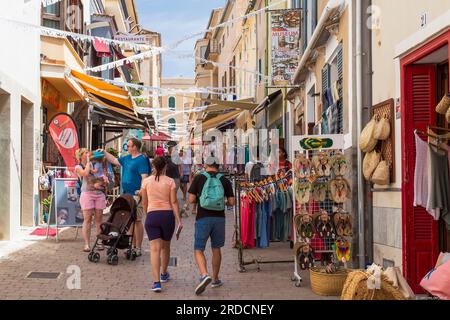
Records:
x=92, y=198
x=160, y=200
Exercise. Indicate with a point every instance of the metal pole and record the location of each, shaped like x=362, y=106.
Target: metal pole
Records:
x=359, y=107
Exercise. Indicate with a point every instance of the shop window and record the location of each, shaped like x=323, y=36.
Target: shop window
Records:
x=172, y=103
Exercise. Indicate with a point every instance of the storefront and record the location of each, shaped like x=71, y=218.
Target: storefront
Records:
x=424, y=80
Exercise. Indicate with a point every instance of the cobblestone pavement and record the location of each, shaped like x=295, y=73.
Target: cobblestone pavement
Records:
x=132, y=279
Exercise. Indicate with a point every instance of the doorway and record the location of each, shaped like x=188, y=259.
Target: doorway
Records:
x=424, y=75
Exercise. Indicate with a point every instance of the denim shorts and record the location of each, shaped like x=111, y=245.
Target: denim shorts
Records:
x=209, y=227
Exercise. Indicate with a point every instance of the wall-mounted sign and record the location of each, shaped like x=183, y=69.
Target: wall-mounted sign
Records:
x=131, y=38
x=319, y=142
x=285, y=26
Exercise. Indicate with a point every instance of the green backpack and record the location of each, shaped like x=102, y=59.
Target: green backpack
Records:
x=212, y=197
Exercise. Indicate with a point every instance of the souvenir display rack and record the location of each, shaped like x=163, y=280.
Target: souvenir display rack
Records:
x=322, y=227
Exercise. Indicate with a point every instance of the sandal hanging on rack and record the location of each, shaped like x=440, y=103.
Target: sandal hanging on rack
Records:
x=342, y=249
x=340, y=190
x=306, y=257
x=339, y=222
x=319, y=191
x=324, y=226
x=322, y=164
x=340, y=164
x=302, y=192
x=302, y=166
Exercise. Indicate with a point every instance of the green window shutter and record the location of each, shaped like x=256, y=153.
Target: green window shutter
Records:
x=340, y=105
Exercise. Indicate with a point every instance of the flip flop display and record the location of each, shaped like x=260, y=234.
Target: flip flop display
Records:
x=322, y=164
x=342, y=249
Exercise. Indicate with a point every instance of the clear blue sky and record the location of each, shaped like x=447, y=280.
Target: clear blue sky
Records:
x=175, y=19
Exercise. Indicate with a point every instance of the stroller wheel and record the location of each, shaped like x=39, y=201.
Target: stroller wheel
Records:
x=96, y=257
x=110, y=251
x=91, y=257
x=128, y=254
x=113, y=259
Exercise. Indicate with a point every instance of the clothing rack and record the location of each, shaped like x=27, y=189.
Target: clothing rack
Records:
x=241, y=259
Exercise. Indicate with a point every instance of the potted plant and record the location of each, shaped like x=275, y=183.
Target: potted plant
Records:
x=46, y=203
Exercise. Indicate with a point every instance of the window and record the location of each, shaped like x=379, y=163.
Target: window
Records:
x=295, y=4
x=259, y=70
x=51, y=16
x=172, y=103
x=203, y=52
x=172, y=124
x=52, y=9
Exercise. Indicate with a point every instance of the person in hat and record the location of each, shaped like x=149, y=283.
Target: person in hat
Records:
x=210, y=222
x=135, y=168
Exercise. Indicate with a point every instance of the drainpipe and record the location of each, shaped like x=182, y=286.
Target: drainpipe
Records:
x=359, y=109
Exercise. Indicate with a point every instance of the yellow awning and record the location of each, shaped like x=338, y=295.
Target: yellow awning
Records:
x=104, y=93
x=214, y=122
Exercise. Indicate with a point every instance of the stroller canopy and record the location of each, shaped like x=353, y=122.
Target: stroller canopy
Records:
x=124, y=202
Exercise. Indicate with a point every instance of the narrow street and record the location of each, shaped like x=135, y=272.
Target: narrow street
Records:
x=132, y=279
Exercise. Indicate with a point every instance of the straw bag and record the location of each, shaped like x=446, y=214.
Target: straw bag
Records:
x=382, y=128
x=366, y=140
x=444, y=105
x=370, y=163
x=447, y=115
x=381, y=176
x=355, y=288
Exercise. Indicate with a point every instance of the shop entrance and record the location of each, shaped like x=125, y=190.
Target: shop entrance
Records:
x=425, y=79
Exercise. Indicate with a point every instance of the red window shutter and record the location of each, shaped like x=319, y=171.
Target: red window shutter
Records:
x=421, y=250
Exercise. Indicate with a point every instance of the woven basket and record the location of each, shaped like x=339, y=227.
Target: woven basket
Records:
x=327, y=284
x=355, y=288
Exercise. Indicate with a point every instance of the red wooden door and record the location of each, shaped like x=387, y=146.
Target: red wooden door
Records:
x=420, y=243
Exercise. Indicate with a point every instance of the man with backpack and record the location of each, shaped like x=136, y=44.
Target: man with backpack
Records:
x=209, y=190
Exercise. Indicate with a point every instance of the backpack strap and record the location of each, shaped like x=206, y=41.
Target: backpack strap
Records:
x=206, y=174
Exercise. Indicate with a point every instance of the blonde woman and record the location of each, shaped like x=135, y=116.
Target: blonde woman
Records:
x=92, y=198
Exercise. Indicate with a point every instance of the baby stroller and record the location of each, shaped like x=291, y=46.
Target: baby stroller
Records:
x=114, y=232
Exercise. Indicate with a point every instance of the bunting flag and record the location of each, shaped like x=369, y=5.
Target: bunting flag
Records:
x=64, y=134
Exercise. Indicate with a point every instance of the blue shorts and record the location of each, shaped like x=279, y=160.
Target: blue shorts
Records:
x=160, y=225
x=185, y=179
x=209, y=227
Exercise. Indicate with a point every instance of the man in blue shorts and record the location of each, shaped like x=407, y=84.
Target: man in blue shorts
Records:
x=209, y=224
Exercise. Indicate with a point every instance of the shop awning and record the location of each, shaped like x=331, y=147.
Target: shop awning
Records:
x=214, y=122
x=102, y=49
x=105, y=94
x=267, y=101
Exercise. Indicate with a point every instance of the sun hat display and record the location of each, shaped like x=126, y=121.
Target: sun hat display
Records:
x=370, y=163
x=381, y=174
x=382, y=128
x=366, y=140
x=444, y=104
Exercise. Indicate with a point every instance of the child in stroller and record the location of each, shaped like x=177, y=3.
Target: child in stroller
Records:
x=114, y=232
